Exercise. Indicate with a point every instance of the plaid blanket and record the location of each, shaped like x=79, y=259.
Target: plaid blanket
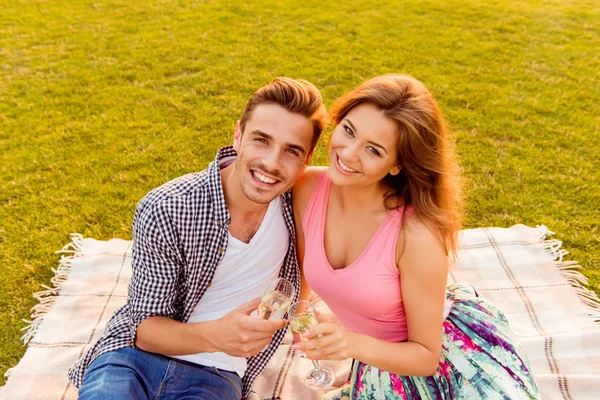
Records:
x=543, y=296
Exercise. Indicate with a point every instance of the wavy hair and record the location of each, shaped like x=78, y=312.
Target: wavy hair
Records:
x=295, y=95
x=429, y=178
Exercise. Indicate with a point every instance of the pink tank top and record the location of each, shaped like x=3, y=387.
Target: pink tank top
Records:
x=365, y=296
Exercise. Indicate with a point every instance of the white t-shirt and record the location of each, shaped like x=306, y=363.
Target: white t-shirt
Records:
x=243, y=275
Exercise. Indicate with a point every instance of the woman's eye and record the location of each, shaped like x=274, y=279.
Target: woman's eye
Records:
x=349, y=131
x=373, y=150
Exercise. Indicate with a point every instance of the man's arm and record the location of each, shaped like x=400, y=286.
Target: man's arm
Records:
x=156, y=266
x=237, y=334
x=153, y=292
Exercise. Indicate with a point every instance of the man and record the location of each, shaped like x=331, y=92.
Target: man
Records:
x=206, y=246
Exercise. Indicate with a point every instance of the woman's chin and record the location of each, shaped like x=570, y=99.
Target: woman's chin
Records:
x=339, y=178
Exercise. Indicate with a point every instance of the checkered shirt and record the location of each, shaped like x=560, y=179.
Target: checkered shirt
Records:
x=179, y=239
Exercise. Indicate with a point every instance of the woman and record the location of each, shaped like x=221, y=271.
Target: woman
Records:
x=376, y=230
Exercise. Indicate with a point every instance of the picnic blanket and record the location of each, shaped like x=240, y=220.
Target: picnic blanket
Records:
x=518, y=268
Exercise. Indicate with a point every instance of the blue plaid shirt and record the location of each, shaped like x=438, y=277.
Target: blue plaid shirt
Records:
x=179, y=239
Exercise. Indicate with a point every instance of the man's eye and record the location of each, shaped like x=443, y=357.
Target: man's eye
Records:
x=294, y=152
x=262, y=140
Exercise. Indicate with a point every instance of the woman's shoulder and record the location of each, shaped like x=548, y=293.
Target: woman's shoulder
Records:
x=305, y=185
x=418, y=238
x=303, y=188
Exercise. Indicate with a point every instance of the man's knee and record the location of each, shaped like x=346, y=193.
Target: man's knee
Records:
x=228, y=384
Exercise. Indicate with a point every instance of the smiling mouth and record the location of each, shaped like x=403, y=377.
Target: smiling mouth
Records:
x=345, y=167
x=263, y=178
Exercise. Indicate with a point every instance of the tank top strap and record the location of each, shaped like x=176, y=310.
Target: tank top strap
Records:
x=399, y=215
x=316, y=208
x=388, y=239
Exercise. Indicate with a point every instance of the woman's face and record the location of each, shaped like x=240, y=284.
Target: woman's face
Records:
x=363, y=148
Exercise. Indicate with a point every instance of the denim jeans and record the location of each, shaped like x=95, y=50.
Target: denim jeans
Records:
x=134, y=374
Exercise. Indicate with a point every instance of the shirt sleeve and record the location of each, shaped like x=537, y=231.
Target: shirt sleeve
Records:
x=156, y=265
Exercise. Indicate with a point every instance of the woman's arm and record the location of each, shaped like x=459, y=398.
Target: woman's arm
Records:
x=300, y=195
x=423, y=268
x=304, y=288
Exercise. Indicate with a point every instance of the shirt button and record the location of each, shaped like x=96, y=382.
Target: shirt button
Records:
x=221, y=249
x=128, y=343
x=219, y=222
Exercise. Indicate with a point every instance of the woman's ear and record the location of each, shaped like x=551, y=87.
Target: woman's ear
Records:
x=396, y=170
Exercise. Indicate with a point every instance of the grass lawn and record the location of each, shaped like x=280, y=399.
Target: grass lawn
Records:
x=101, y=101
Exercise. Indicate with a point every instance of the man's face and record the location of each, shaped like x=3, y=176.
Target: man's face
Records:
x=272, y=151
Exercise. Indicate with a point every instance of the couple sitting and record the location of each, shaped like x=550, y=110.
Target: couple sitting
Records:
x=372, y=235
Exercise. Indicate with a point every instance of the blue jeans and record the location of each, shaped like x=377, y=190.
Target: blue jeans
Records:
x=134, y=374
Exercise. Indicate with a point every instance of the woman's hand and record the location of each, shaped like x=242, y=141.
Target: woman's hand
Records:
x=328, y=341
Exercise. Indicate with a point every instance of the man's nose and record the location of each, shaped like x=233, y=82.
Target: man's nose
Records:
x=272, y=160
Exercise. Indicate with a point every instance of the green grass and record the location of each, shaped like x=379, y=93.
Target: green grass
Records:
x=102, y=101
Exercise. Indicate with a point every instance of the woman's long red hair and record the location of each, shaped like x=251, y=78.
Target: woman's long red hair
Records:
x=429, y=179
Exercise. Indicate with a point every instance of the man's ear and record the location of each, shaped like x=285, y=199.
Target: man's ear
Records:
x=237, y=136
x=306, y=162
x=310, y=155
x=396, y=170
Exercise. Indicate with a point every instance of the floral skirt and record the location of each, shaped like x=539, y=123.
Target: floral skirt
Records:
x=481, y=359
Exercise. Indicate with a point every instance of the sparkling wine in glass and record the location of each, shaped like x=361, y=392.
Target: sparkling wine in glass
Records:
x=276, y=299
x=303, y=317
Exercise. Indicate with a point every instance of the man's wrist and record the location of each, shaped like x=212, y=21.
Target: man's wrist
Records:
x=204, y=334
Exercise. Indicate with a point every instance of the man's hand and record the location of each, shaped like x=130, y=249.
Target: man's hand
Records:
x=240, y=335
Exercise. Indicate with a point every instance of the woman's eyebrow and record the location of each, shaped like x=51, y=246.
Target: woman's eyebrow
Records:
x=375, y=144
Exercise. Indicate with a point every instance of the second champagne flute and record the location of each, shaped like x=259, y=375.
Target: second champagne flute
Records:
x=303, y=316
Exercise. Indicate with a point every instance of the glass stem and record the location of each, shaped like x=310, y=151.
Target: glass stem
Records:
x=316, y=364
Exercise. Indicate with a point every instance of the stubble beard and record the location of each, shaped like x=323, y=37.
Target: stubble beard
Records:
x=250, y=190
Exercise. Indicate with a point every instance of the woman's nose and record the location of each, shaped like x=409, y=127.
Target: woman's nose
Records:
x=350, y=152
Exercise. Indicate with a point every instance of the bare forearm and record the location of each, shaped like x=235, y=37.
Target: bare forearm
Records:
x=305, y=291
x=172, y=338
x=405, y=358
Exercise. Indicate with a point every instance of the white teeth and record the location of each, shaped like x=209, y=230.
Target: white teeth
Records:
x=345, y=167
x=263, y=178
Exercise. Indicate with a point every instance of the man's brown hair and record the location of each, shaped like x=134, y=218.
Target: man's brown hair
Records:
x=295, y=95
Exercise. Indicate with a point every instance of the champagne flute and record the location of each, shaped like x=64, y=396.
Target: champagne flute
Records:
x=276, y=300
x=302, y=317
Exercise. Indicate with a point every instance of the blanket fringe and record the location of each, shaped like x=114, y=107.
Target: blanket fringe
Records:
x=47, y=297
x=569, y=271
x=543, y=232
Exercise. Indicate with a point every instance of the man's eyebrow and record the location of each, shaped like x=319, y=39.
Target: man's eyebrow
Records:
x=375, y=144
x=264, y=135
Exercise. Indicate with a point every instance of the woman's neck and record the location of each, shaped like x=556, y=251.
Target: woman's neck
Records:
x=363, y=199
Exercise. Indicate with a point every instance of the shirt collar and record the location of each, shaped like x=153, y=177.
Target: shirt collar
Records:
x=216, y=187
